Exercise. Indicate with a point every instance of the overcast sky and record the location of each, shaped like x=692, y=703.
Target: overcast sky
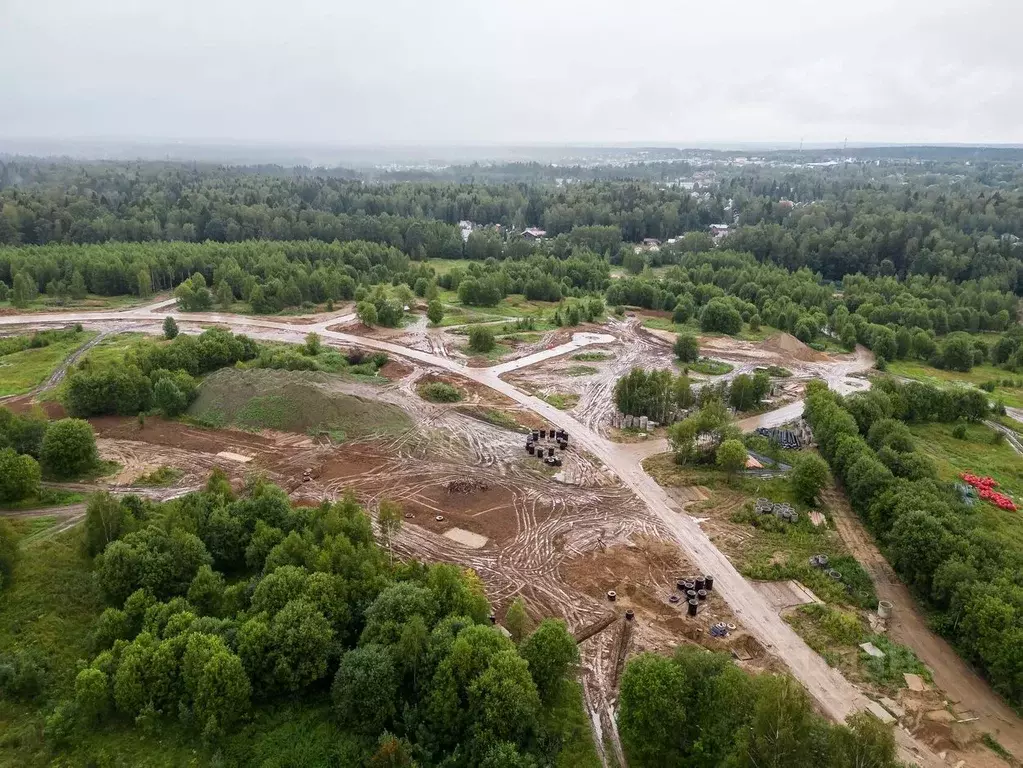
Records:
x=513, y=71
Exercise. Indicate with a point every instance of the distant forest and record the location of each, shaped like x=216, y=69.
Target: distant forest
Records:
x=948, y=212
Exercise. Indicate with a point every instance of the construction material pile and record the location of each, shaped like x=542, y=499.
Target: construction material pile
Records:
x=821, y=561
x=786, y=438
x=985, y=489
x=546, y=452
x=470, y=485
x=780, y=510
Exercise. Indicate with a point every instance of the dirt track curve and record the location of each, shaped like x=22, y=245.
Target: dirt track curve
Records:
x=833, y=693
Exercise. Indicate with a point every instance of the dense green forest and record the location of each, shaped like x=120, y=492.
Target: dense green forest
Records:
x=73, y=203
x=268, y=634
x=951, y=219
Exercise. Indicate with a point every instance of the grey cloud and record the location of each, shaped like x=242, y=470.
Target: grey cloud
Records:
x=505, y=71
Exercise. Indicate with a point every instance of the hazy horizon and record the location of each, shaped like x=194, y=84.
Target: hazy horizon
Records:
x=455, y=73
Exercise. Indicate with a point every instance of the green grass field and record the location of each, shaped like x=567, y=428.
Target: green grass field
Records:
x=23, y=371
x=774, y=551
x=978, y=454
x=48, y=497
x=112, y=349
x=665, y=324
x=291, y=401
x=563, y=401
x=579, y=370
x=920, y=371
x=499, y=351
x=836, y=635
x=47, y=610
x=44, y=303
x=444, y=266
x=592, y=357
x=709, y=366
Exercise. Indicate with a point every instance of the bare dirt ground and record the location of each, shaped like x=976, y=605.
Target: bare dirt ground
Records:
x=560, y=545
x=613, y=503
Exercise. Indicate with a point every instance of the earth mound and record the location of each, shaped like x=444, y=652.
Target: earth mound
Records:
x=292, y=401
x=787, y=345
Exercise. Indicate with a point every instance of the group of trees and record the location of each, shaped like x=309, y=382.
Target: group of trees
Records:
x=224, y=605
x=662, y=396
x=699, y=437
x=30, y=444
x=700, y=709
x=270, y=276
x=378, y=308
x=153, y=375
x=966, y=573
x=924, y=230
x=921, y=317
x=162, y=377
x=656, y=394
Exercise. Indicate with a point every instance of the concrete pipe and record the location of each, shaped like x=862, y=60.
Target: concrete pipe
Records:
x=884, y=609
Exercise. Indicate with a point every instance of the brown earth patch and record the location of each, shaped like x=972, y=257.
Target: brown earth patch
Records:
x=394, y=370
x=489, y=513
x=25, y=403
x=643, y=574
x=479, y=398
x=787, y=345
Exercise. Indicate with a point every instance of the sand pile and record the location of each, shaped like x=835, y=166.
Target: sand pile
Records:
x=787, y=345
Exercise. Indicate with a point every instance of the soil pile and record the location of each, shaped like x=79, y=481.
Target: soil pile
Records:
x=787, y=345
x=467, y=486
x=292, y=401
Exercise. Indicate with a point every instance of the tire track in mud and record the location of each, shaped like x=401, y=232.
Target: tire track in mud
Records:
x=646, y=500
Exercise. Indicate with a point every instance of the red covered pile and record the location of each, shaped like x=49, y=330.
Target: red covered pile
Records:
x=985, y=486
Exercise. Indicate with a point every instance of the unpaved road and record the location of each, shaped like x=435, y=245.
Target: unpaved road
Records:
x=834, y=694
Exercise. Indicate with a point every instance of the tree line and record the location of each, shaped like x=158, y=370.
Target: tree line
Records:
x=700, y=709
x=964, y=573
x=54, y=202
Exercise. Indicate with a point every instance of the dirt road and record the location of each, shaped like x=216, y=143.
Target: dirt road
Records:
x=833, y=693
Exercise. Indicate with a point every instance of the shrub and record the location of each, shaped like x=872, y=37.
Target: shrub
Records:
x=440, y=392
x=435, y=311
x=22, y=676
x=69, y=448
x=809, y=476
x=170, y=327
x=731, y=456
x=367, y=313
x=719, y=315
x=481, y=339
x=19, y=476
x=687, y=348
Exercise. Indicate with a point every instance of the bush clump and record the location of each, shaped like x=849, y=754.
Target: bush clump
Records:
x=440, y=392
